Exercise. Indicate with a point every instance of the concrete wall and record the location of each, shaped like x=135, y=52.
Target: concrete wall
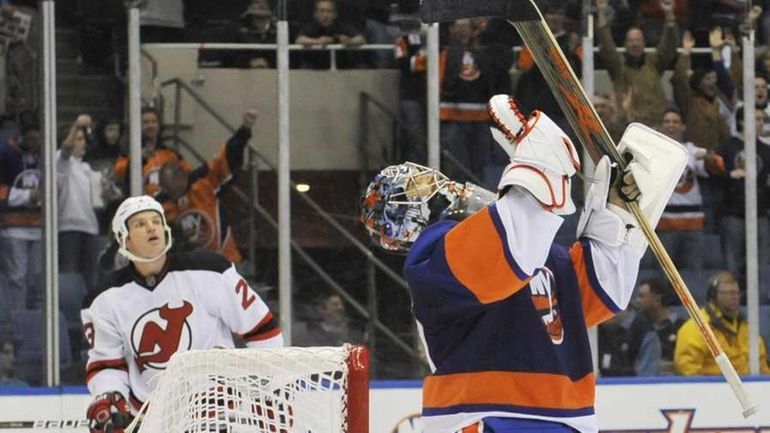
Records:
x=324, y=108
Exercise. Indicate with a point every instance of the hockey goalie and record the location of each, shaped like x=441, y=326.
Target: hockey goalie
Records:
x=503, y=310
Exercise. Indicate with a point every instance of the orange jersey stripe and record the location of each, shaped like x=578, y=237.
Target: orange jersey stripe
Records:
x=554, y=391
x=475, y=255
x=21, y=217
x=594, y=309
x=685, y=223
x=460, y=115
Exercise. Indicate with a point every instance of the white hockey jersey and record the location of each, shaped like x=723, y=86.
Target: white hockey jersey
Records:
x=684, y=210
x=136, y=324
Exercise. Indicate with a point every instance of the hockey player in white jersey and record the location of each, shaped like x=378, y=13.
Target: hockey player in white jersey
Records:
x=156, y=306
x=502, y=310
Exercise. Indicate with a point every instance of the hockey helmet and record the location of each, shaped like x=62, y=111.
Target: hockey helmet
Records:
x=130, y=207
x=403, y=199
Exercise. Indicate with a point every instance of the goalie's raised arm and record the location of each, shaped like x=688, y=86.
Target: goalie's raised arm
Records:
x=612, y=243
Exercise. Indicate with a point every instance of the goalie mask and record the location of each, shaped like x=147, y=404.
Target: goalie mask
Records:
x=130, y=207
x=404, y=199
x=543, y=158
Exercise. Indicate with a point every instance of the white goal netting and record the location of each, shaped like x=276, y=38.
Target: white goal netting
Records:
x=287, y=390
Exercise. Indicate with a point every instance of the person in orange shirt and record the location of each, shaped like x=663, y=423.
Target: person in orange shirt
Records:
x=154, y=154
x=190, y=200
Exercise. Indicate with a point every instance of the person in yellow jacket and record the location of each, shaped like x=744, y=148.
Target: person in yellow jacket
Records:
x=692, y=357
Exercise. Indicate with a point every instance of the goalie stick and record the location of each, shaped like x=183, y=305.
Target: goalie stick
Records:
x=528, y=21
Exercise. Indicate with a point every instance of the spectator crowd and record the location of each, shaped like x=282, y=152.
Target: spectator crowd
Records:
x=657, y=76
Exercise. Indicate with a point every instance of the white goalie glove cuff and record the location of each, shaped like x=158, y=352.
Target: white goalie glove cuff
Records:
x=606, y=223
x=612, y=226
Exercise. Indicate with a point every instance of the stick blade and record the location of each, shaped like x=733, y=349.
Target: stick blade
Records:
x=433, y=11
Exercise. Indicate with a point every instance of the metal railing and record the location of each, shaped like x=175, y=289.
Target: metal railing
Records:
x=333, y=49
x=366, y=99
x=179, y=87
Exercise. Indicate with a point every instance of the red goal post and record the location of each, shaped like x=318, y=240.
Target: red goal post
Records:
x=286, y=390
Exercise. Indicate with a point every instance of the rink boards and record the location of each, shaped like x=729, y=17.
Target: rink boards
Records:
x=701, y=405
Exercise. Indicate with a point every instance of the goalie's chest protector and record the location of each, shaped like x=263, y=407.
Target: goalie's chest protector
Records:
x=199, y=303
x=522, y=355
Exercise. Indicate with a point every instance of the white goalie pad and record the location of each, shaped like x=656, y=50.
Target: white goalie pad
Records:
x=658, y=163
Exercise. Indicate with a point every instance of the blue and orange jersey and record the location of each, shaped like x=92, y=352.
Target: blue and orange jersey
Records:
x=19, y=175
x=504, y=340
x=202, y=216
x=150, y=167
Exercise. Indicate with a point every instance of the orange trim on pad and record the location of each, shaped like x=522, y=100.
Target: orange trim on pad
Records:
x=594, y=310
x=475, y=255
x=537, y=390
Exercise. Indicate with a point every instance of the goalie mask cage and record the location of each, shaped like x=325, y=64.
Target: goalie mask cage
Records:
x=286, y=390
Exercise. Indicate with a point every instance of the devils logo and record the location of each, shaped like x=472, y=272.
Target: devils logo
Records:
x=159, y=333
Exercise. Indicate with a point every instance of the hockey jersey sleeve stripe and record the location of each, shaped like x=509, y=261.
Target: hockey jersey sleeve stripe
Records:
x=268, y=327
x=476, y=255
x=264, y=336
x=523, y=389
x=95, y=367
x=597, y=306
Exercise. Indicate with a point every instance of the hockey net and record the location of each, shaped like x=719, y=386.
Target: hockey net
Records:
x=287, y=390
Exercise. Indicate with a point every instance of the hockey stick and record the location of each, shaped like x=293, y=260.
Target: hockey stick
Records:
x=528, y=21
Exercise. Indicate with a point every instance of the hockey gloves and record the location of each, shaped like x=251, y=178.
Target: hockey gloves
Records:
x=543, y=158
x=109, y=413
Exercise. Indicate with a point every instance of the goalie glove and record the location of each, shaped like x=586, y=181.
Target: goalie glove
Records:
x=657, y=163
x=602, y=221
x=543, y=158
x=108, y=413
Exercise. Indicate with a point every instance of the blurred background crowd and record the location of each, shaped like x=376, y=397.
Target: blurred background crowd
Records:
x=674, y=65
